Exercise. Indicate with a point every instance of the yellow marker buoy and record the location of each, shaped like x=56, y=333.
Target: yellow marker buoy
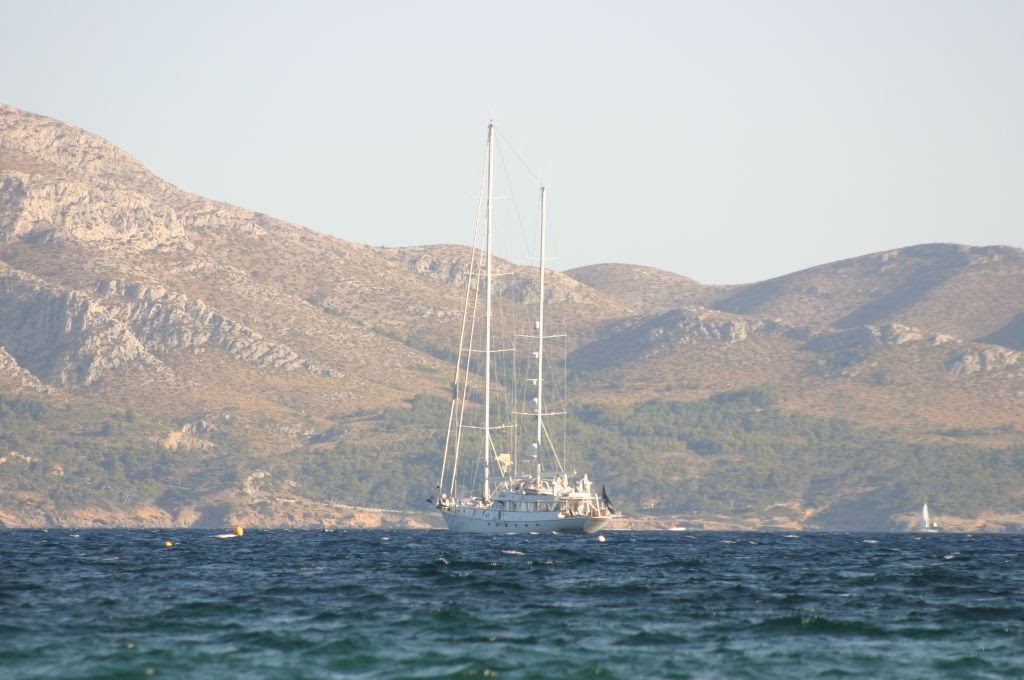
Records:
x=168, y=544
x=239, y=531
x=600, y=539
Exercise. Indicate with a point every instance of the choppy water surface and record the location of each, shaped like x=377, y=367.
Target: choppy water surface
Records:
x=408, y=604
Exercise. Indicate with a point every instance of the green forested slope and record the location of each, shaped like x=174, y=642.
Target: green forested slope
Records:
x=737, y=454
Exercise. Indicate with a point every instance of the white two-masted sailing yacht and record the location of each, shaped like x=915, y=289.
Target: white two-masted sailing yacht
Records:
x=525, y=484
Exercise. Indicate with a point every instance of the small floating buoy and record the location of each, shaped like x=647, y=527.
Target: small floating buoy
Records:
x=168, y=544
x=600, y=539
x=239, y=531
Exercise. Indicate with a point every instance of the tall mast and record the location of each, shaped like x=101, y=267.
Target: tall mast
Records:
x=487, y=325
x=540, y=328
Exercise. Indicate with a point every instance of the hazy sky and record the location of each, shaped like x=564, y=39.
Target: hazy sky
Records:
x=727, y=141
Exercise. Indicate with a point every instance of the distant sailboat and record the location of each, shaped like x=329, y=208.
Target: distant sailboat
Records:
x=927, y=524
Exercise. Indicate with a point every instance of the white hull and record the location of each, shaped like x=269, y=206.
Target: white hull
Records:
x=491, y=522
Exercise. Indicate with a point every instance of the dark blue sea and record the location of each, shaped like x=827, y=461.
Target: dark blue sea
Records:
x=432, y=604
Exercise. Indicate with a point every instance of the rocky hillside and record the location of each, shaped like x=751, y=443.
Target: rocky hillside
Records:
x=169, y=359
x=935, y=328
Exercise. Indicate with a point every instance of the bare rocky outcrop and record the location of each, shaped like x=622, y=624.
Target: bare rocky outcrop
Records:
x=448, y=264
x=38, y=209
x=65, y=337
x=982, y=359
x=684, y=326
x=166, y=322
x=867, y=337
x=61, y=336
x=72, y=150
x=856, y=344
x=59, y=181
x=9, y=367
x=636, y=338
x=696, y=324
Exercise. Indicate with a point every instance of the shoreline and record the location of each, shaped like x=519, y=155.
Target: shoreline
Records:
x=310, y=515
